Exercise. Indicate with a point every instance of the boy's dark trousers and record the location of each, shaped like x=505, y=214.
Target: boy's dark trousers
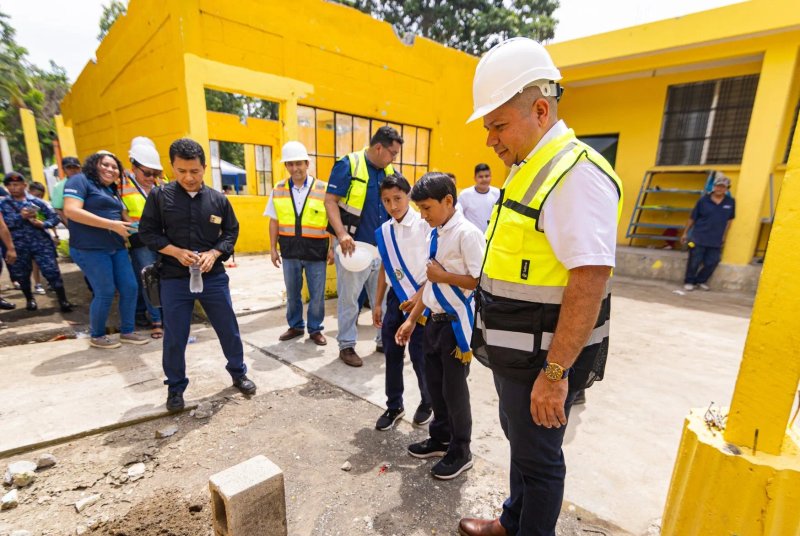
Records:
x=447, y=385
x=393, y=318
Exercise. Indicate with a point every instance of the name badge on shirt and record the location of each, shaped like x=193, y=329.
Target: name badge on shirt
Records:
x=215, y=219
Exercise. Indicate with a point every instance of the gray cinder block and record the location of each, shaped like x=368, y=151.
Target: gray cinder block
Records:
x=248, y=499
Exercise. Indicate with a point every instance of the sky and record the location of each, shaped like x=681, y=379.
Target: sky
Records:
x=66, y=30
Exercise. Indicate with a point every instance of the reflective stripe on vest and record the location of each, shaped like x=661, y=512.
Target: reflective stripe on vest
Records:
x=314, y=219
x=353, y=202
x=133, y=197
x=520, y=265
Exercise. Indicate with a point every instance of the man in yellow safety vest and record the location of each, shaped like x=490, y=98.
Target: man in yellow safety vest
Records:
x=543, y=299
x=355, y=211
x=297, y=225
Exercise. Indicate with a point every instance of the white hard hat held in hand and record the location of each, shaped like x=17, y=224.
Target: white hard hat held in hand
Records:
x=146, y=156
x=294, y=151
x=507, y=69
x=361, y=258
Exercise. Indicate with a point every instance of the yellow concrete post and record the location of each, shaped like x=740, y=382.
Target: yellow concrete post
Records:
x=770, y=369
x=66, y=137
x=763, y=149
x=32, y=146
x=747, y=480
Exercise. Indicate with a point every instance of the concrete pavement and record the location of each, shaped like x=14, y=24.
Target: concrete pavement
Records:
x=669, y=353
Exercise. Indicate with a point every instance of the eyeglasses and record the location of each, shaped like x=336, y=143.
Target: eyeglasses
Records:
x=149, y=174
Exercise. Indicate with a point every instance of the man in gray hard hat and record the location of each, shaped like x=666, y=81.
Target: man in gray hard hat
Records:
x=542, y=305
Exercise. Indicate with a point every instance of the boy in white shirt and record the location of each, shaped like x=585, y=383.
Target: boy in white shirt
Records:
x=455, y=257
x=477, y=201
x=403, y=249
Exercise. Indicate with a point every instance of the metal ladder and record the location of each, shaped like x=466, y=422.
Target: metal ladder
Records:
x=649, y=192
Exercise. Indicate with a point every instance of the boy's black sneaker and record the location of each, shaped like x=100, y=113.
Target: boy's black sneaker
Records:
x=174, y=401
x=427, y=449
x=451, y=466
x=423, y=415
x=389, y=419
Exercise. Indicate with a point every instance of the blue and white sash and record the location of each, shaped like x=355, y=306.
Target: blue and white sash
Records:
x=403, y=282
x=453, y=301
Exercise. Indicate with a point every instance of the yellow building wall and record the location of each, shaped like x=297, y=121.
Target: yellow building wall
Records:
x=134, y=88
x=367, y=72
x=342, y=60
x=627, y=97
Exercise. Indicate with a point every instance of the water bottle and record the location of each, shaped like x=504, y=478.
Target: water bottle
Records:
x=195, y=278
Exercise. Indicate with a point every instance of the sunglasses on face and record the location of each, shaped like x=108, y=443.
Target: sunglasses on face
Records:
x=149, y=174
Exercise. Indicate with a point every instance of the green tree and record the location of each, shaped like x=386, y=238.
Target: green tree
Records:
x=110, y=14
x=473, y=26
x=23, y=85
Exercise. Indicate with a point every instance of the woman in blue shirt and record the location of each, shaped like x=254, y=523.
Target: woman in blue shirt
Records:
x=98, y=232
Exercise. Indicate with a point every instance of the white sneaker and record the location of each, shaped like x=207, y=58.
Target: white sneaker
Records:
x=688, y=286
x=38, y=289
x=704, y=286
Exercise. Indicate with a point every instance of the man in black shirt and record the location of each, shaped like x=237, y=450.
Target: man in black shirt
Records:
x=189, y=223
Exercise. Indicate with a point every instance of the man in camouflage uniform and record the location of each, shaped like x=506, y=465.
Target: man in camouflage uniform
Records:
x=28, y=220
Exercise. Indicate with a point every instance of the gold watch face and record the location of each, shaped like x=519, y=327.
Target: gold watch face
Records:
x=554, y=371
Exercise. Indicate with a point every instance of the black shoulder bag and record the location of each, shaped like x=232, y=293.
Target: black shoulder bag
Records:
x=151, y=274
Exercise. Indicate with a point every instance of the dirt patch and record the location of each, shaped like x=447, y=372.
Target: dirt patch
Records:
x=165, y=513
x=310, y=431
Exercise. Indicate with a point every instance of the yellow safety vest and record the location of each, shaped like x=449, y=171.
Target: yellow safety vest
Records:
x=353, y=202
x=522, y=284
x=133, y=197
x=313, y=219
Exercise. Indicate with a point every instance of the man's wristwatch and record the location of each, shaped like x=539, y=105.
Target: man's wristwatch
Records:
x=555, y=372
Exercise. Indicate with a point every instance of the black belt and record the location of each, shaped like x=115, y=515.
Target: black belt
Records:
x=443, y=317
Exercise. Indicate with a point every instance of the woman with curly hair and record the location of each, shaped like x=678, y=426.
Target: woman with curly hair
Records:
x=98, y=232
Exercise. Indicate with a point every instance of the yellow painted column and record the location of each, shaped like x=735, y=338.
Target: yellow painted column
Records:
x=32, y=146
x=770, y=370
x=763, y=148
x=250, y=166
x=66, y=137
x=290, y=128
x=746, y=481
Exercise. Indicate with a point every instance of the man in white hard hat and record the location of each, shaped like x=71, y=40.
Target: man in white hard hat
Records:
x=299, y=242
x=543, y=300
x=146, y=170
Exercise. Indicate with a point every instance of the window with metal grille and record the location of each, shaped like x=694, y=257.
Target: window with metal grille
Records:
x=330, y=135
x=791, y=133
x=707, y=122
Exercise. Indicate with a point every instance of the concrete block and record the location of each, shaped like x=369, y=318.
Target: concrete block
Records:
x=249, y=499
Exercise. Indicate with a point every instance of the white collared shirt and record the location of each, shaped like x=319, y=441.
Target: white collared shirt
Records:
x=460, y=251
x=579, y=217
x=299, y=195
x=412, y=235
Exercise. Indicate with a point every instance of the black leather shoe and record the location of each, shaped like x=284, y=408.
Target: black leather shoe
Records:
x=7, y=305
x=30, y=305
x=174, y=401
x=66, y=307
x=245, y=385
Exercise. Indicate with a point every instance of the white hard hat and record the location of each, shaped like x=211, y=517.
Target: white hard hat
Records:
x=507, y=69
x=294, y=151
x=360, y=259
x=142, y=140
x=146, y=156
